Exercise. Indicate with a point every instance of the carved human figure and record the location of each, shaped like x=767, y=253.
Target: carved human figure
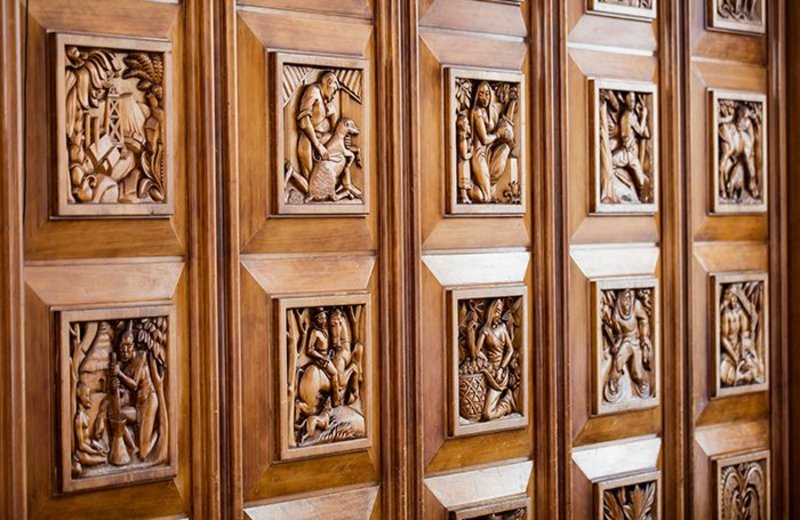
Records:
x=325, y=374
x=89, y=451
x=626, y=169
x=489, y=366
x=740, y=363
x=627, y=343
x=739, y=135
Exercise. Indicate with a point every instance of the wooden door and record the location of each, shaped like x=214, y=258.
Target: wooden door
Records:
x=460, y=259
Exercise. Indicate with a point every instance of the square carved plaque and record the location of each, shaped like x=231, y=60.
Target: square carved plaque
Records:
x=114, y=124
x=516, y=508
x=645, y=9
x=742, y=486
x=747, y=16
x=118, y=396
x=741, y=333
x=325, y=349
x=637, y=496
x=488, y=359
x=624, y=146
x=626, y=344
x=322, y=124
x=739, y=152
x=485, y=141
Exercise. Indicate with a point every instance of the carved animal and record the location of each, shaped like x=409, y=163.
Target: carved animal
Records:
x=324, y=175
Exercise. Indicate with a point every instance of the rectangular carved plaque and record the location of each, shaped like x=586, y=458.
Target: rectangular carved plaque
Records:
x=741, y=333
x=516, y=508
x=739, y=152
x=636, y=496
x=485, y=141
x=489, y=359
x=118, y=396
x=325, y=349
x=626, y=344
x=748, y=16
x=114, y=122
x=625, y=146
x=645, y=9
x=743, y=486
x=322, y=121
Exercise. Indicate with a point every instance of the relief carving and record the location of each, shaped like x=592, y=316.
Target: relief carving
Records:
x=490, y=371
x=740, y=152
x=515, y=508
x=115, y=127
x=632, y=8
x=326, y=379
x=743, y=487
x=625, y=147
x=115, y=419
x=741, y=321
x=486, y=141
x=737, y=15
x=626, y=352
x=323, y=119
x=636, y=501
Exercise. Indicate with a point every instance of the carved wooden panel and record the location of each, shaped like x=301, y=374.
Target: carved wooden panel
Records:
x=633, y=8
x=739, y=144
x=486, y=141
x=625, y=146
x=747, y=16
x=488, y=360
x=324, y=351
x=626, y=346
x=117, y=396
x=742, y=484
x=323, y=134
x=517, y=508
x=741, y=339
x=114, y=145
x=636, y=497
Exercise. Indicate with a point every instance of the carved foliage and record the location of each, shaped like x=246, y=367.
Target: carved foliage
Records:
x=740, y=153
x=625, y=147
x=741, y=333
x=743, y=487
x=515, y=508
x=489, y=360
x=112, y=107
x=116, y=415
x=323, y=134
x=737, y=15
x=632, y=8
x=325, y=351
x=635, y=499
x=486, y=141
x=626, y=347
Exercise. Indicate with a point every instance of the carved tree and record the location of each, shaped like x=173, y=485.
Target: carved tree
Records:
x=741, y=322
x=740, y=157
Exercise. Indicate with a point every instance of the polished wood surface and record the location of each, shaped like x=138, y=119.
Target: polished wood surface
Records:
x=398, y=259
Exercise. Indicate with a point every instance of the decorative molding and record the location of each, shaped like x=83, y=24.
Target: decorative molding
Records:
x=742, y=483
x=337, y=504
x=486, y=134
x=489, y=359
x=118, y=396
x=325, y=349
x=626, y=345
x=741, y=333
x=746, y=16
x=624, y=146
x=739, y=152
x=641, y=9
x=598, y=461
x=322, y=123
x=465, y=489
x=517, y=508
x=114, y=126
x=633, y=497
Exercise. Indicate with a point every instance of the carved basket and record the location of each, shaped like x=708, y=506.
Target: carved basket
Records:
x=471, y=395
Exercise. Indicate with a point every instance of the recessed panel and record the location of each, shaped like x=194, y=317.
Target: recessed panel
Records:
x=112, y=103
x=323, y=133
x=118, y=422
x=486, y=141
x=488, y=359
x=637, y=496
x=324, y=352
x=743, y=486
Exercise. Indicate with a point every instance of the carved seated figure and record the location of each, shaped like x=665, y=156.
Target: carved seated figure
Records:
x=88, y=451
